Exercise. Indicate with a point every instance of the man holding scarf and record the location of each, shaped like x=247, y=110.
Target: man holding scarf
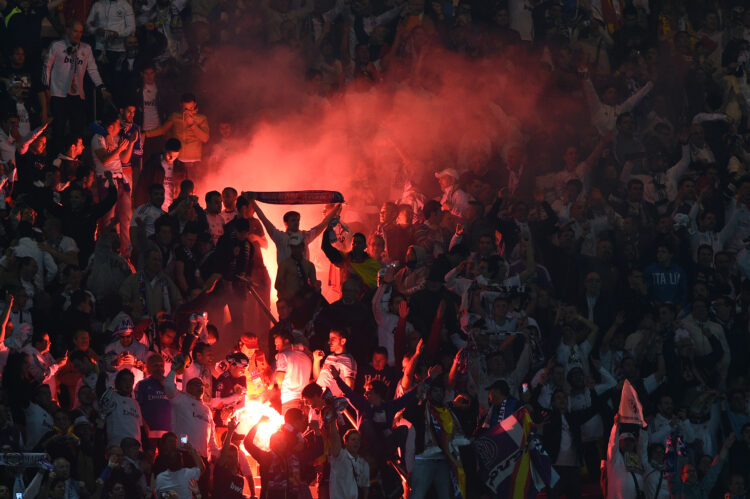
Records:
x=438, y=436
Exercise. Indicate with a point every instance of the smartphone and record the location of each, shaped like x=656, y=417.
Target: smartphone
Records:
x=183, y=440
x=525, y=387
x=19, y=495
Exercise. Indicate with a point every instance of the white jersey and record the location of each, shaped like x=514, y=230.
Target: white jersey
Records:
x=346, y=366
x=191, y=417
x=297, y=368
x=122, y=415
x=348, y=475
x=64, y=68
x=38, y=423
x=148, y=213
x=111, y=15
x=136, y=349
x=114, y=165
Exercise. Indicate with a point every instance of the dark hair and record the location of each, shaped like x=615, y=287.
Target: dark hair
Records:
x=173, y=145
x=199, y=348
x=191, y=227
x=290, y=214
x=188, y=97
x=379, y=387
x=166, y=326
x=381, y=350
x=293, y=414
x=122, y=373
x=431, y=207
x=155, y=187
x=164, y=220
x=79, y=296
x=311, y=391
x=70, y=140
x=109, y=118
x=38, y=336
x=284, y=335
x=211, y=195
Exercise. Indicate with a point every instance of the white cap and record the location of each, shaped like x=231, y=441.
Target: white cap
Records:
x=447, y=172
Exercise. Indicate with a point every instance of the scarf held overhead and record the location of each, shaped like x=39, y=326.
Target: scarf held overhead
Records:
x=296, y=197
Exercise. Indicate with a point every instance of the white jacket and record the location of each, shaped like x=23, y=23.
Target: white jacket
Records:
x=46, y=266
x=111, y=15
x=60, y=67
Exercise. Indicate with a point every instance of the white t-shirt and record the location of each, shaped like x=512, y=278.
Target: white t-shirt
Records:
x=148, y=213
x=215, y=226
x=122, y=415
x=347, y=367
x=136, y=349
x=24, y=123
x=114, y=165
x=38, y=422
x=150, y=113
x=193, y=418
x=348, y=473
x=178, y=481
x=297, y=369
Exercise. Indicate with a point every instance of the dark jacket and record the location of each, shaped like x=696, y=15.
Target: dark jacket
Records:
x=553, y=430
x=152, y=173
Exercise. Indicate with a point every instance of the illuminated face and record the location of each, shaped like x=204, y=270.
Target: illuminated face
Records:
x=189, y=107
x=76, y=32
x=82, y=340
x=149, y=76
x=114, y=128
x=126, y=338
x=292, y=223
x=128, y=114
x=379, y=361
x=446, y=181
x=353, y=442
x=336, y=343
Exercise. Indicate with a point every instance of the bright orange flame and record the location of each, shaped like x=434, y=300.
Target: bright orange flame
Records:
x=249, y=416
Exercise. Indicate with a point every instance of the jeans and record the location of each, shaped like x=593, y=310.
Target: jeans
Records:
x=429, y=472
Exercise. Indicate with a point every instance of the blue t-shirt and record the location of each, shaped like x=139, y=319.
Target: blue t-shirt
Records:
x=155, y=406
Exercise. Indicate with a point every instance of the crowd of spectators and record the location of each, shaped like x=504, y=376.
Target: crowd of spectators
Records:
x=608, y=241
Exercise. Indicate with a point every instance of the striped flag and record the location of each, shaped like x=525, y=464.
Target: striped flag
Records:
x=512, y=462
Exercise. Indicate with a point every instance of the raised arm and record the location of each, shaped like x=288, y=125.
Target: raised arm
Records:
x=634, y=99
x=315, y=231
x=170, y=387
x=160, y=130
x=333, y=255
x=270, y=228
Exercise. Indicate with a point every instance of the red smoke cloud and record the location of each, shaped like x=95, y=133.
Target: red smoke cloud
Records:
x=444, y=111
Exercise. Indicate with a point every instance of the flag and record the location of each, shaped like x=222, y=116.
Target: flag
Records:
x=512, y=462
x=297, y=197
x=630, y=407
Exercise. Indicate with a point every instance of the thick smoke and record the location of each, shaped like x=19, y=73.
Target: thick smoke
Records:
x=434, y=110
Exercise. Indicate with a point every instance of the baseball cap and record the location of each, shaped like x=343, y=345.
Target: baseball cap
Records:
x=447, y=172
x=238, y=359
x=625, y=435
x=125, y=326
